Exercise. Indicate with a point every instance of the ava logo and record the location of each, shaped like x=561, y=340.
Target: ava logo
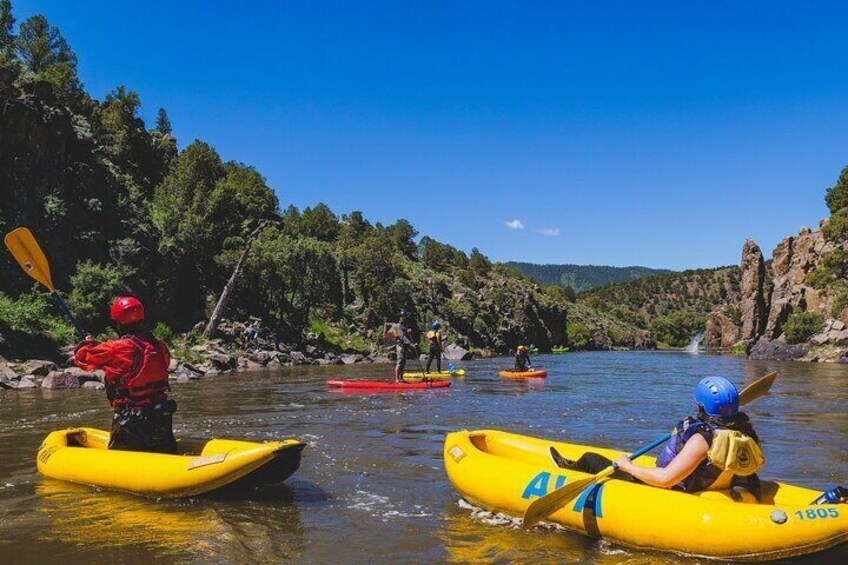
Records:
x=539, y=485
x=744, y=459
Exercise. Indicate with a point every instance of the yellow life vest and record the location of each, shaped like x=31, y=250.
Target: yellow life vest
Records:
x=733, y=451
x=431, y=335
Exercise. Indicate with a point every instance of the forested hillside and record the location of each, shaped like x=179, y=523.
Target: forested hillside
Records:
x=120, y=208
x=582, y=277
x=673, y=306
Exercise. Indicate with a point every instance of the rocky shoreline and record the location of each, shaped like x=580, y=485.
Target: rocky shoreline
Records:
x=215, y=358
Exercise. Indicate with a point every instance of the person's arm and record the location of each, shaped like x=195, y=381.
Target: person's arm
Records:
x=679, y=468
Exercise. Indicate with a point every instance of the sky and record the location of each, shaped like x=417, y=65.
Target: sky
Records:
x=611, y=133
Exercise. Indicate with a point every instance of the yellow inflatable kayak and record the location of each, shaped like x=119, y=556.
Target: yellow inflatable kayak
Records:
x=503, y=472
x=79, y=455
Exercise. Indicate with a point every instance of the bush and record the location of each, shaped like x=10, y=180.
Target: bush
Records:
x=800, y=326
x=677, y=329
x=837, y=195
x=95, y=286
x=839, y=304
x=579, y=336
x=32, y=314
x=164, y=332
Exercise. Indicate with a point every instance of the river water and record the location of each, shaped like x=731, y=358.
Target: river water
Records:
x=372, y=487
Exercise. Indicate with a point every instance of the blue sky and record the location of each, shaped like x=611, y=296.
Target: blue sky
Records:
x=652, y=133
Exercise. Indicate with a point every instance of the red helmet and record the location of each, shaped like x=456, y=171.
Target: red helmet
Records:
x=127, y=310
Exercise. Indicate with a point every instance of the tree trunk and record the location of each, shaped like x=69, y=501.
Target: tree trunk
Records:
x=218, y=312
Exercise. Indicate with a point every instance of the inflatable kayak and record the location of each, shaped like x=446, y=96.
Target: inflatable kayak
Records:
x=387, y=385
x=503, y=472
x=442, y=375
x=535, y=374
x=560, y=350
x=79, y=455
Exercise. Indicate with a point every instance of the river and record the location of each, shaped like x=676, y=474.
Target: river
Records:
x=372, y=487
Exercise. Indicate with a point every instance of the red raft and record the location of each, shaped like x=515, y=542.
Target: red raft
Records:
x=388, y=386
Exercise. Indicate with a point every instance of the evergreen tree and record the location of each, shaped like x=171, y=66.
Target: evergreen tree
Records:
x=163, y=124
x=837, y=195
x=7, y=35
x=41, y=46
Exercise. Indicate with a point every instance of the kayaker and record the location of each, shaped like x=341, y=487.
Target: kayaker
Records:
x=136, y=368
x=715, y=450
x=522, y=360
x=404, y=346
x=435, y=339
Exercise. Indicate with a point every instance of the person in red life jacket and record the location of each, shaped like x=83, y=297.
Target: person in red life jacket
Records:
x=136, y=367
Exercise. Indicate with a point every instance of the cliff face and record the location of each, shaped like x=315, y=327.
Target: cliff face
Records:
x=770, y=296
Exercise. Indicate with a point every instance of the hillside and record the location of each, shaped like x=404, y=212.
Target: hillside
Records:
x=120, y=210
x=673, y=306
x=582, y=277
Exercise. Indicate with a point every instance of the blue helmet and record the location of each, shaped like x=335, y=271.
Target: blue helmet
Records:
x=436, y=325
x=717, y=396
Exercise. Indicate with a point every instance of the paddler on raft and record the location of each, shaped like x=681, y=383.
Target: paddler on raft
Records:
x=437, y=346
x=522, y=360
x=715, y=450
x=405, y=347
x=136, y=368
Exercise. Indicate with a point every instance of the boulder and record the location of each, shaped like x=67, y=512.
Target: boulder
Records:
x=457, y=353
x=298, y=358
x=838, y=325
x=274, y=363
x=752, y=303
x=85, y=376
x=172, y=366
x=261, y=357
x=59, y=380
x=93, y=385
x=39, y=367
x=384, y=359
x=245, y=364
x=350, y=358
x=222, y=361
x=26, y=383
x=766, y=349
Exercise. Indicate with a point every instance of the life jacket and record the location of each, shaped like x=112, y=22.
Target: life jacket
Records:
x=398, y=331
x=147, y=380
x=731, y=453
x=433, y=336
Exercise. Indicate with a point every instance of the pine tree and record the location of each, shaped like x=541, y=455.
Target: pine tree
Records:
x=163, y=124
x=41, y=46
x=7, y=36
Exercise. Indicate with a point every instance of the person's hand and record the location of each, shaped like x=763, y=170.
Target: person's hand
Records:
x=624, y=463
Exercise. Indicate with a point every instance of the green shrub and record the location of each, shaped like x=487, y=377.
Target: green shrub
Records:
x=579, y=336
x=95, y=286
x=677, y=329
x=800, y=326
x=734, y=313
x=840, y=302
x=32, y=313
x=164, y=332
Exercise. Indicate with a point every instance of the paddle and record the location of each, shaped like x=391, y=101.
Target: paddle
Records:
x=31, y=258
x=546, y=505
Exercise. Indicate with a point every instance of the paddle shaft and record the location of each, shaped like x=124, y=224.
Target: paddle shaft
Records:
x=68, y=314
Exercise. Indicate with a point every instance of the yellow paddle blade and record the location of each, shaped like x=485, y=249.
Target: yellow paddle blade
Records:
x=543, y=507
x=757, y=388
x=29, y=255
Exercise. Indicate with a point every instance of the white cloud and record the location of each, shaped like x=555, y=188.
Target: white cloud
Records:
x=550, y=232
x=515, y=225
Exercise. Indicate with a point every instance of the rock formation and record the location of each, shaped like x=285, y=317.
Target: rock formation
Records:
x=753, y=303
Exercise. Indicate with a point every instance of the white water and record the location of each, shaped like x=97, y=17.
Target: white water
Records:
x=695, y=343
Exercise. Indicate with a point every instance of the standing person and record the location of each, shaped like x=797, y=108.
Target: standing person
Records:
x=436, y=341
x=136, y=368
x=522, y=359
x=715, y=450
x=404, y=346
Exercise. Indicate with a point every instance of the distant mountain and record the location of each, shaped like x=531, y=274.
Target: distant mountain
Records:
x=583, y=277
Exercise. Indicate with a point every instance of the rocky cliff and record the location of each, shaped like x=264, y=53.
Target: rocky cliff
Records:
x=772, y=293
